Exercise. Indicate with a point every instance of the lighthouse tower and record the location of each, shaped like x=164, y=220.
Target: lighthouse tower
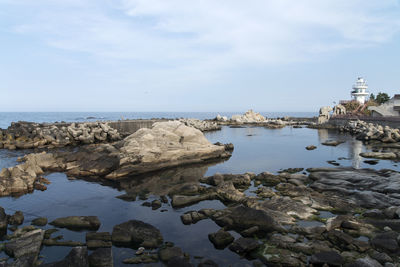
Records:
x=360, y=90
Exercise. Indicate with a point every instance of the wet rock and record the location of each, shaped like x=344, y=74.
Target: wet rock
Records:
x=39, y=221
x=365, y=262
x=379, y=155
x=386, y=242
x=381, y=257
x=155, y=204
x=77, y=222
x=182, y=201
x=250, y=232
x=311, y=147
x=27, y=245
x=17, y=218
x=167, y=253
x=63, y=243
x=207, y=263
x=93, y=244
x=291, y=170
x=220, y=239
x=145, y=258
x=136, y=233
x=332, y=143
x=3, y=219
x=77, y=257
x=179, y=262
x=244, y=245
x=269, y=179
x=101, y=257
x=192, y=217
x=127, y=197
x=332, y=258
x=242, y=218
x=49, y=232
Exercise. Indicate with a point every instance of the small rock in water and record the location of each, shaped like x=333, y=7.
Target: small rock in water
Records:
x=311, y=147
x=39, y=221
x=332, y=143
x=371, y=162
x=140, y=251
x=17, y=218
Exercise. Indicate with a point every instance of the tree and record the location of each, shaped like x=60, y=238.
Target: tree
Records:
x=372, y=97
x=382, y=98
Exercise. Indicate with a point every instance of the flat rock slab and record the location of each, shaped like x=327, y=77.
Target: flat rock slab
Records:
x=136, y=234
x=77, y=222
x=101, y=257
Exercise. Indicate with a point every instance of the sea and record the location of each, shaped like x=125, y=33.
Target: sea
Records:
x=257, y=149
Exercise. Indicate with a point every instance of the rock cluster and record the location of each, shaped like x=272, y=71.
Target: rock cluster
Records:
x=249, y=117
x=167, y=144
x=201, y=125
x=25, y=135
x=365, y=131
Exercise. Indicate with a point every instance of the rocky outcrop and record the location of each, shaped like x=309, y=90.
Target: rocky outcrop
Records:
x=249, y=117
x=25, y=135
x=324, y=114
x=167, y=144
x=202, y=125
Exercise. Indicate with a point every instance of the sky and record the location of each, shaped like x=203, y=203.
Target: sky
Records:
x=199, y=55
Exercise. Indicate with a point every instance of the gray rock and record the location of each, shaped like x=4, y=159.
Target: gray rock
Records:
x=167, y=253
x=137, y=234
x=77, y=222
x=17, y=218
x=365, y=262
x=244, y=245
x=179, y=262
x=39, y=221
x=242, y=217
x=221, y=239
x=332, y=258
x=28, y=243
x=386, y=242
x=3, y=219
x=77, y=257
x=101, y=257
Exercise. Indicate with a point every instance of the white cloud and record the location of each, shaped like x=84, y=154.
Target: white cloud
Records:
x=218, y=33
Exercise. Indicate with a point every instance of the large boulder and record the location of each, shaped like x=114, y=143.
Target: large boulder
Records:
x=135, y=233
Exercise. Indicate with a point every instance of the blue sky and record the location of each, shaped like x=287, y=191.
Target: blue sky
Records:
x=204, y=55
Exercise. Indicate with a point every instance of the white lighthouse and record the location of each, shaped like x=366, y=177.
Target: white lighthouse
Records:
x=360, y=90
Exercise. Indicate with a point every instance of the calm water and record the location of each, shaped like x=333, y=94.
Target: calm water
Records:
x=257, y=149
x=7, y=117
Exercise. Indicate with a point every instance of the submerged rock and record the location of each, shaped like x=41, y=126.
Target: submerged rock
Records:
x=77, y=222
x=244, y=245
x=136, y=234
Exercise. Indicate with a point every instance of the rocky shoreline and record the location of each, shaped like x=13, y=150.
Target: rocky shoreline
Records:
x=333, y=216
x=318, y=217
